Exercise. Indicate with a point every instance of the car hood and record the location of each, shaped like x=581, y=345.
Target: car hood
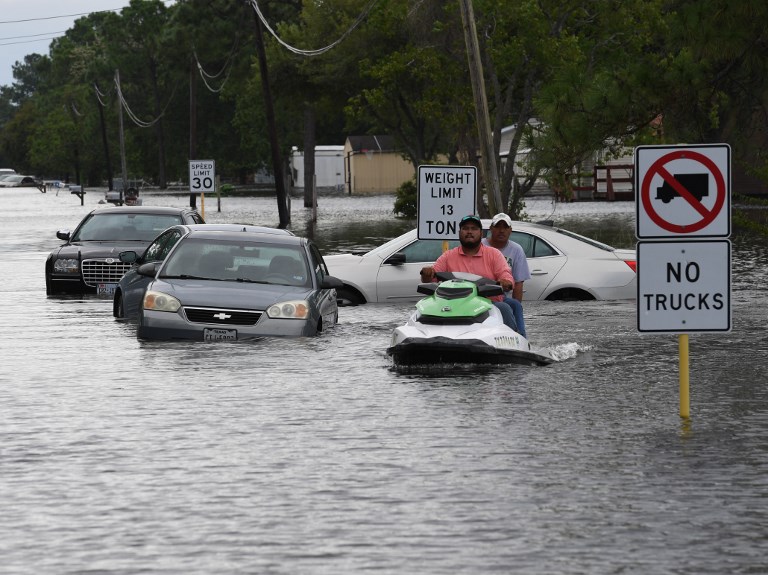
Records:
x=338, y=260
x=228, y=294
x=98, y=249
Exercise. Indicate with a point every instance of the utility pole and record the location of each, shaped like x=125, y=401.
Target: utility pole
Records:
x=192, y=124
x=104, y=139
x=123, y=165
x=488, y=157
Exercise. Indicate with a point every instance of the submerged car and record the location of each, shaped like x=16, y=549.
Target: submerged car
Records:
x=88, y=260
x=19, y=181
x=237, y=285
x=564, y=266
x=130, y=289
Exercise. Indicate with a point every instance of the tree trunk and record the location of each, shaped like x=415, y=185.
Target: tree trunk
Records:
x=277, y=168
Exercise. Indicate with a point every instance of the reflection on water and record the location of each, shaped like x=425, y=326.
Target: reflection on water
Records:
x=315, y=456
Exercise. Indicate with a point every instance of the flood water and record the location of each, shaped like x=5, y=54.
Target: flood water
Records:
x=314, y=456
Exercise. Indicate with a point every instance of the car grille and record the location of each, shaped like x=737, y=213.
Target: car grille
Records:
x=97, y=272
x=222, y=316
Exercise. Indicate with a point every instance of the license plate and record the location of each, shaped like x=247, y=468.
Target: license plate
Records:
x=216, y=334
x=106, y=289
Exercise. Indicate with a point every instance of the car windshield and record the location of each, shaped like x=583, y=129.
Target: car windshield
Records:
x=124, y=227
x=250, y=262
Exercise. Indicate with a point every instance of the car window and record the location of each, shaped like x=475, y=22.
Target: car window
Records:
x=122, y=226
x=533, y=246
x=161, y=246
x=233, y=260
x=317, y=263
x=425, y=250
x=590, y=241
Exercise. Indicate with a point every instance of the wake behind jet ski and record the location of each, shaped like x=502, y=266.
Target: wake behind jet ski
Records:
x=457, y=323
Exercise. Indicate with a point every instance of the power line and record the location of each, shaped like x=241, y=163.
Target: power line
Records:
x=55, y=17
x=32, y=41
x=32, y=35
x=355, y=24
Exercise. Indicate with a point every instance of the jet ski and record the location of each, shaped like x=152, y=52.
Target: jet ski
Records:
x=456, y=323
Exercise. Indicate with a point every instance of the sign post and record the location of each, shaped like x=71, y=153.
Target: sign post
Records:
x=683, y=219
x=445, y=195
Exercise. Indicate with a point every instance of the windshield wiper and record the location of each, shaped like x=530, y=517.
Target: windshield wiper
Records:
x=190, y=277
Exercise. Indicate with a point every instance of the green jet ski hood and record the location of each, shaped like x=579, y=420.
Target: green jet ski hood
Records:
x=456, y=298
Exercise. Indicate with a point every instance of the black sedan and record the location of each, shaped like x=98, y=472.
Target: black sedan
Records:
x=88, y=262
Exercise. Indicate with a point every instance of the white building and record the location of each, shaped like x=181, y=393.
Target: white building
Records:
x=329, y=167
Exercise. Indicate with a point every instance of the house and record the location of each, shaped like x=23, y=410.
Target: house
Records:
x=372, y=165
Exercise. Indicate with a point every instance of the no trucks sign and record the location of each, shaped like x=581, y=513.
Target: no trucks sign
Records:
x=445, y=195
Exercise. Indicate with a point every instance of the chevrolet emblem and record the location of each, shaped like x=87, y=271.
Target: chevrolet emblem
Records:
x=222, y=316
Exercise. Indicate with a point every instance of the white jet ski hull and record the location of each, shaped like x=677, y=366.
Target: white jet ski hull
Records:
x=491, y=341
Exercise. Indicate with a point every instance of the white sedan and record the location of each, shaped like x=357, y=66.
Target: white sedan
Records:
x=564, y=266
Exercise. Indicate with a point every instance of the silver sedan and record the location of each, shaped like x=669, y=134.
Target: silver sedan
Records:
x=230, y=286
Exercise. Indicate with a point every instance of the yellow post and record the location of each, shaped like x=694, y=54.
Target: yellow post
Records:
x=202, y=204
x=685, y=402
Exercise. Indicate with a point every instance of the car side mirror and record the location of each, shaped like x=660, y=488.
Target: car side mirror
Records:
x=396, y=259
x=149, y=269
x=128, y=257
x=63, y=235
x=330, y=282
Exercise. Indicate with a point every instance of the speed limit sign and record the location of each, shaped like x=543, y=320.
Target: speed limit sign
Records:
x=202, y=176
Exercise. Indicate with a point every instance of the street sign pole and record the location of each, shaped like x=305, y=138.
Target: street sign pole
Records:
x=684, y=267
x=685, y=396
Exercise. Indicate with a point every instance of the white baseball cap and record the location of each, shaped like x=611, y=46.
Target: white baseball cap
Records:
x=501, y=218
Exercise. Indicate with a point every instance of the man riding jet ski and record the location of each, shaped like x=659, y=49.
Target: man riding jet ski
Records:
x=457, y=323
x=472, y=256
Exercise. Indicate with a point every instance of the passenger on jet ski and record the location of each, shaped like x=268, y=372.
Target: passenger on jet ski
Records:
x=473, y=257
x=501, y=228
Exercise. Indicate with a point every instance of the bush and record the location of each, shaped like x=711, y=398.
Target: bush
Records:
x=405, y=201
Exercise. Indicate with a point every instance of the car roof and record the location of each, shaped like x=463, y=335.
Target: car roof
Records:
x=268, y=237
x=141, y=210
x=238, y=228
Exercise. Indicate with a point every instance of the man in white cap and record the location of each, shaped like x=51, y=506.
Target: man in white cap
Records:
x=501, y=228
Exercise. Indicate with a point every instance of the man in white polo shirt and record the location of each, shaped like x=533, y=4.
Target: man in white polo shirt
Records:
x=501, y=228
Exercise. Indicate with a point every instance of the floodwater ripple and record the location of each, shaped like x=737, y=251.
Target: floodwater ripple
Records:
x=315, y=455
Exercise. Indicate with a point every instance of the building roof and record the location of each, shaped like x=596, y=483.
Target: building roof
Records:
x=376, y=143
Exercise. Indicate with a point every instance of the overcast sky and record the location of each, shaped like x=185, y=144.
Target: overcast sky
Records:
x=43, y=21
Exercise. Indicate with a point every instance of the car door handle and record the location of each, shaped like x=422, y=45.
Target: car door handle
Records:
x=539, y=272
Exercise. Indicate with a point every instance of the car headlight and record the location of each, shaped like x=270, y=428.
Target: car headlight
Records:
x=159, y=301
x=289, y=310
x=66, y=266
